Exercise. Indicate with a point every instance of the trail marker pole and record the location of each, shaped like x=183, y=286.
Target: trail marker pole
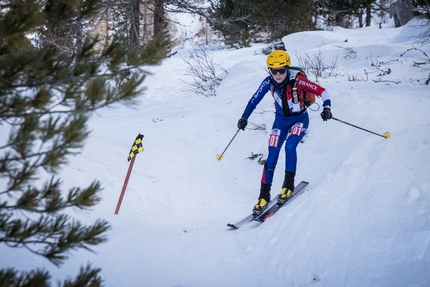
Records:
x=135, y=149
x=124, y=187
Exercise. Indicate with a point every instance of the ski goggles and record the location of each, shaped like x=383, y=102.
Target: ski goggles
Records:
x=276, y=71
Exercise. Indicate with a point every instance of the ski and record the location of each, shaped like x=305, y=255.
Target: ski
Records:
x=251, y=217
x=272, y=209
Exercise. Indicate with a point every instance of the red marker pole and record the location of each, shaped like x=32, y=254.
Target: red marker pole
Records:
x=124, y=187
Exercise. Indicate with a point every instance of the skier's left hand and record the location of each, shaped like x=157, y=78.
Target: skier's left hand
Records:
x=326, y=113
x=242, y=123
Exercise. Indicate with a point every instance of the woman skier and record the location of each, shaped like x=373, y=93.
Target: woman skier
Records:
x=290, y=124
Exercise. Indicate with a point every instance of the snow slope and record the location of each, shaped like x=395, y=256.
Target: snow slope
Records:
x=363, y=221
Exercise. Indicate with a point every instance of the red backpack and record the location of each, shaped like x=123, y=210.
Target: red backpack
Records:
x=307, y=97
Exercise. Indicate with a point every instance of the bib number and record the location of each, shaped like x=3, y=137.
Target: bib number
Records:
x=274, y=138
x=297, y=129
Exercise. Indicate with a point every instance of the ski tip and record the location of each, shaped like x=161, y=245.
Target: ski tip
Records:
x=232, y=226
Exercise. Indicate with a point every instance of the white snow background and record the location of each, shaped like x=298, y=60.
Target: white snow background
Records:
x=364, y=220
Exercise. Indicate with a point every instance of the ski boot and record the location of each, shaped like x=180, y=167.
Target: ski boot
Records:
x=287, y=188
x=263, y=200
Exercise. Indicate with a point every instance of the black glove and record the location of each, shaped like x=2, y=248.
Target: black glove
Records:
x=326, y=113
x=241, y=124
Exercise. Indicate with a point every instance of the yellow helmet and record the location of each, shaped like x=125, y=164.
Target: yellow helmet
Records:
x=278, y=59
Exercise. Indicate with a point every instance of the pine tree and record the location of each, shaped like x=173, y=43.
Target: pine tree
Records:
x=336, y=12
x=230, y=18
x=283, y=17
x=344, y=13
x=47, y=96
x=270, y=19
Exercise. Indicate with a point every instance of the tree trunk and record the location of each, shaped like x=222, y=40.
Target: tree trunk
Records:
x=79, y=36
x=134, y=24
x=158, y=17
x=368, y=14
x=402, y=11
x=360, y=19
x=146, y=25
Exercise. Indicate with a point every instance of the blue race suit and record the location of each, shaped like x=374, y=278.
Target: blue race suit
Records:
x=290, y=123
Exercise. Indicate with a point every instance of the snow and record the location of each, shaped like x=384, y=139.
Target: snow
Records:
x=363, y=221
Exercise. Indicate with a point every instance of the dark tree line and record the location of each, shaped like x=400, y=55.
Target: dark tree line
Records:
x=269, y=20
x=277, y=18
x=254, y=20
x=239, y=22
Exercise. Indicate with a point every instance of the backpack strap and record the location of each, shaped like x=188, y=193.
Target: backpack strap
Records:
x=289, y=88
x=285, y=107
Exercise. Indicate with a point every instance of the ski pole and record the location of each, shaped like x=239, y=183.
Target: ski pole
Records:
x=384, y=135
x=219, y=156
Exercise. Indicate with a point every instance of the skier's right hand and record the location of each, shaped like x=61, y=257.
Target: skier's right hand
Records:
x=241, y=124
x=326, y=113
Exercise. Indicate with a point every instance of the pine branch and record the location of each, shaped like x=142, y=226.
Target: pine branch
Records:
x=49, y=87
x=56, y=236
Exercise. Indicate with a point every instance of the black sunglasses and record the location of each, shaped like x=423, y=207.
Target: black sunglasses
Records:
x=280, y=71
